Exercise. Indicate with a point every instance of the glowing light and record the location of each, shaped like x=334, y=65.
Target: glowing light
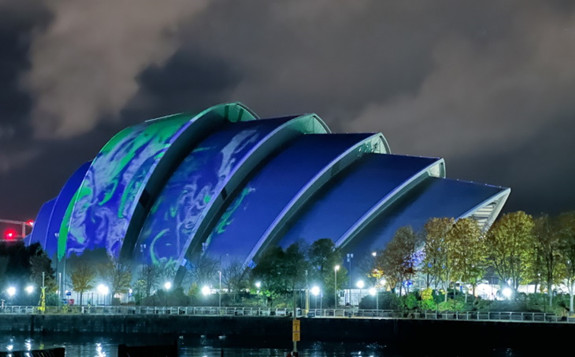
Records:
x=103, y=289
x=507, y=292
x=315, y=290
x=336, y=268
x=29, y=289
x=30, y=222
x=372, y=291
x=360, y=284
x=167, y=285
x=258, y=284
x=9, y=234
x=206, y=290
x=11, y=291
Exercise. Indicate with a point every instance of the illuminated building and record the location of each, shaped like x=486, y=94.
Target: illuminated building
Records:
x=226, y=184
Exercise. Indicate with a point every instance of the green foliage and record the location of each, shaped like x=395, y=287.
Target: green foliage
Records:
x=82, y=277
x=427, y=302
x=410, y=301
x=511, y=244
x=451, y=305
x=467, y=252
x=547, y=257
x=281, y=272
x=389, y=301
x=437, y=248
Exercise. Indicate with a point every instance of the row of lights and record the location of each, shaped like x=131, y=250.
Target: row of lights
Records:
x=11, y=290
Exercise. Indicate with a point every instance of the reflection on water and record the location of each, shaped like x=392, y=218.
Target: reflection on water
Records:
x=107, y=346
x=100, y=346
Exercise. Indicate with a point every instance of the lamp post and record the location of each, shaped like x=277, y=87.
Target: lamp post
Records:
x=349, y=257
x=258, y=287
x=11, y=293
x=220, y=292
x=103, y=290
x=335, y=269
x=315, y=290
x=373, y=292
x=167, y=287
x=360, y=284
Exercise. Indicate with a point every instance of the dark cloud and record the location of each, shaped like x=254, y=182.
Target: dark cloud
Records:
x=486, y=85
x=188, y=82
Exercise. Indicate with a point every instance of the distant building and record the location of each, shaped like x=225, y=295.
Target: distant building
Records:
x=225, y=184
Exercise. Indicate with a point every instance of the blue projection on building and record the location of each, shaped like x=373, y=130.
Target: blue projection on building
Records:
x=194, y=185
x=225, y=185
x=271, y=189
x=350, y=195
x=433, y=198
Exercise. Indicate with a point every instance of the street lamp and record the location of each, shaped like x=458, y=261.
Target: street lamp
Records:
x=335, y=270
x=373, y=292
x=205, y=290
x=315, y=290
x=220, y=292
x=360, y=284
x=258, y=285
x=11, y=291
x=167, y=285
x=349, y=257
x=103, y=290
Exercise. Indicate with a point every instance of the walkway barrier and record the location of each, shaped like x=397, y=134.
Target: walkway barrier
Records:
x=246, y=311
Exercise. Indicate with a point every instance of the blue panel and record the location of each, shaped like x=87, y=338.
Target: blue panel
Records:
x=60, y=205
x=433, y=198
x=113, y=190
x=190, y=191
x=40, y=229
x=271, y=189
x=351, y=195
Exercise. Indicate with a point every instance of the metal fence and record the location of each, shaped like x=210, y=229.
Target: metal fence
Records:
x=287, y=312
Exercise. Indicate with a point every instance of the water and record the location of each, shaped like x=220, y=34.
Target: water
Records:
x=107, y=346
x=197, y=346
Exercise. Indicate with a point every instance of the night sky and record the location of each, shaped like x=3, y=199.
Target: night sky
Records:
x=487, y=85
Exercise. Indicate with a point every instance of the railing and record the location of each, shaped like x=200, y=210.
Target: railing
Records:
x=287, y=312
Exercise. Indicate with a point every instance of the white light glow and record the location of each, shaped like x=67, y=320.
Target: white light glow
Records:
x=103, y=289
x=315, y=290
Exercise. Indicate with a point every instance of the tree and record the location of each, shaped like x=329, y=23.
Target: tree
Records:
x=399, y=259
x=547, y=251
x=234, y=277
x=82, y=277
x=437, y=262
x=511, y=247
x=148, y=281
x=281, y=272
x=120, y=278
x=41, y=270
x=467, y=251
x=566, y=231
x=323, y=257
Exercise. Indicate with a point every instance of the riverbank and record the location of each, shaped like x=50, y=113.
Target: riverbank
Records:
x=412, y=334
